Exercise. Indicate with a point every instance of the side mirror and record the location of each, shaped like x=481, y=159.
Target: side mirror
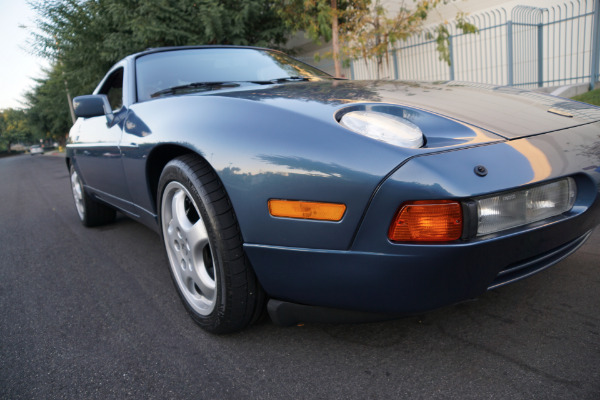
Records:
x=93, y=105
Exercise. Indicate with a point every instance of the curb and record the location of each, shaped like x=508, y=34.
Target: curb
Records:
x=55, y=154
x=566, y=91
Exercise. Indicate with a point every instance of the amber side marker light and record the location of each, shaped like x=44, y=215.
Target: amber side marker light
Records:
x=427, y=221
x=307, y=210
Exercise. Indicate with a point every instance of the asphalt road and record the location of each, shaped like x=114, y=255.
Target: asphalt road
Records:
x=92, y=314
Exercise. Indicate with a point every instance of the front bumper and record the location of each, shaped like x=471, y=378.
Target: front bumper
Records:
x=412, y=283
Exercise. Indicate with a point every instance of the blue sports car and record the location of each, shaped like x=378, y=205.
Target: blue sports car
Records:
x=277, y=186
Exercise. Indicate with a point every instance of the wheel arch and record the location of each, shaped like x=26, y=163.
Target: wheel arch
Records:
x=158, y=158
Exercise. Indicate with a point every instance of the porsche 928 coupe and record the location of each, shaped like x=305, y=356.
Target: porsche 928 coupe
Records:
x=277, y=186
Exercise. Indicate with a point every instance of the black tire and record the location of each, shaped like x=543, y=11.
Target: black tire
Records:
x=91, y=212
x=204, y=245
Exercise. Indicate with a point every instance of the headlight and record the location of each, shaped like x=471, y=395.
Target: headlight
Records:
x=384, y=127
x=521, y=207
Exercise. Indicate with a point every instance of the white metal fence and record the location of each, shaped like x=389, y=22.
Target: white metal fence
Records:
x=531, y=47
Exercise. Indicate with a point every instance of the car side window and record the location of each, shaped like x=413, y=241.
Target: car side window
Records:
x=113, y=89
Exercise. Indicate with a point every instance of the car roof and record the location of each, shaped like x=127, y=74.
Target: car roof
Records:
x=174, y=48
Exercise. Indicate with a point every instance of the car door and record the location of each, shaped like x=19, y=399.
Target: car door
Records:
x=96, y=149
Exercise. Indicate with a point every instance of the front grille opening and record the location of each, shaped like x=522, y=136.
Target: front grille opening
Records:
x=523, y=269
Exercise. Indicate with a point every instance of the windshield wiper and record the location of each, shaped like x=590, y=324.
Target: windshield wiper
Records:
x=283, y=80
x=226, y=84
x=195, y=86
x=289, y=79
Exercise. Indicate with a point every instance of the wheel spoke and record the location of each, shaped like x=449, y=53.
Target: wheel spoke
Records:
x=196, y=239
x=204, y=282
x=76, y=187
x=171, y=229
x=178, y=210
x=196, y=236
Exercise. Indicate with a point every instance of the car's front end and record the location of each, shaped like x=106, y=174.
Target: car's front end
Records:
x=523, y=205
x=480, y=204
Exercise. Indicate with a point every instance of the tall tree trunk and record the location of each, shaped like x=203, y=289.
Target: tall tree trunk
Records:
x=335, y=39
x=378, y=57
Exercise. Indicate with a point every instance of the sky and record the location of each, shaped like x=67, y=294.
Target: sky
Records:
x=17, y=66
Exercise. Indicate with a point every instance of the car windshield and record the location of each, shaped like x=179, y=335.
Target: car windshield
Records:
x=211, y=69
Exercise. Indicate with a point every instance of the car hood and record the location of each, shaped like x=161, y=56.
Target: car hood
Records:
x=508, y=112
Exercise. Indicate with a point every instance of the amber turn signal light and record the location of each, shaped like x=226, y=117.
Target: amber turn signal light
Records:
x=427, y=221
x=306, y=210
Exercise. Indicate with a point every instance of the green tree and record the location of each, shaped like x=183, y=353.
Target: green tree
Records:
x=48, y=108
x=13, y=127
x=362, y=29
x=325, y=21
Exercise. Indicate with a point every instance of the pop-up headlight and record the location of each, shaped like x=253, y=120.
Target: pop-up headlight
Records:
x=387, y=128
